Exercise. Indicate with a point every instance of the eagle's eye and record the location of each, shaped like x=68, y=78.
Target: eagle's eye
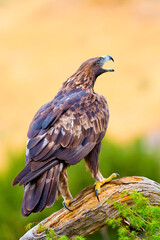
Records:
x=98, y=62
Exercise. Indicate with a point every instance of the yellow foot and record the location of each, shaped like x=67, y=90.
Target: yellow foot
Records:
x=66, y=204
x=106, y=180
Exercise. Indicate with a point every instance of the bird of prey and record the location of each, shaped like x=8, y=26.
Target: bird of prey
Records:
x=62, y=133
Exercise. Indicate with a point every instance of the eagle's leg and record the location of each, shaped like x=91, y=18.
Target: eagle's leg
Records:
x=92, y=164
x=64, y=189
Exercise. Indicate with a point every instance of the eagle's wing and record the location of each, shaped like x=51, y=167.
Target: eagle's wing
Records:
x=67, y=132
x=43, y=128
x=48, y=114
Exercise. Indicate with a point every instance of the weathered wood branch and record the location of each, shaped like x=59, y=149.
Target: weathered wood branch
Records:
x=88, y=214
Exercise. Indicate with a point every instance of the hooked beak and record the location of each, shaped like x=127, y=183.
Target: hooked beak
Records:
x=105, y=59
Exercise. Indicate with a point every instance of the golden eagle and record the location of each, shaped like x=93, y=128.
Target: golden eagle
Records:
x=62, y=133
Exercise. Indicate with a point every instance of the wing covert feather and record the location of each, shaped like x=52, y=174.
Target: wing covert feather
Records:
x=77, y=129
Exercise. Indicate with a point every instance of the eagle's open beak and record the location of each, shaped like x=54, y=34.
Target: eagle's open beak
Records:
x=107, y=58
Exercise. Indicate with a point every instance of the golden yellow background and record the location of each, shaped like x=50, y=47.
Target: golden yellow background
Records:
x=43, y=42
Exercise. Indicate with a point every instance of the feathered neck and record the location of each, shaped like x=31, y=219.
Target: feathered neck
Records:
x=81, y=80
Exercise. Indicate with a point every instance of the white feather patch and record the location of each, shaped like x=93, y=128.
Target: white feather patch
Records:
x=72, y=123
x=48, y=180
x=63, y=132
x=27, y=151
x=56, y=131
x=61, y=167
x=45, y=142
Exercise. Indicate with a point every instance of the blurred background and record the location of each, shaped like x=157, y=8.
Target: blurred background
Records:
x=42, y=43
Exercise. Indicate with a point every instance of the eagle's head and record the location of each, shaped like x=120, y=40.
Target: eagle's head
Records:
x=94, y=66
x=87, y=73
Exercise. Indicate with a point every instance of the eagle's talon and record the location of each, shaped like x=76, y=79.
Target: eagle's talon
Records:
x=96, y=192
x=118, y=176
x=106, y=180
x=66, y=204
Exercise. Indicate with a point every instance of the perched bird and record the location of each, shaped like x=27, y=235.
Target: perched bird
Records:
x=62, y=133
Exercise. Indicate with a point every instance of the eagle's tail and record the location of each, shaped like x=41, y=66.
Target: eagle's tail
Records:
x=40, y=181
x=41, y=191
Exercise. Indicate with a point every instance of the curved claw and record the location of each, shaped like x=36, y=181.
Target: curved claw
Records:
x=105, y=180
x=64, y=205
x=118, y=176
x=96, y=192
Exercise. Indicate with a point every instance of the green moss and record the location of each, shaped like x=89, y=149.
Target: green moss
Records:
x=30, y=225
x=41, y=228
x=138, y=221
x=50, y=234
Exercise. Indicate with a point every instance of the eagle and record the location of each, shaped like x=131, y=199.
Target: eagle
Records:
x=64, y=131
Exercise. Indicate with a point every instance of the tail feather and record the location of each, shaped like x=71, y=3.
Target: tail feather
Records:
x=34, y=193
x=41, y=192
x=53, y=187
x=42, y=203
x=24, y=210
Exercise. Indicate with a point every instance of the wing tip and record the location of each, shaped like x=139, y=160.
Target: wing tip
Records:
x=15, y=181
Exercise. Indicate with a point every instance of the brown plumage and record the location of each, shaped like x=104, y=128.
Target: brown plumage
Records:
x=62, y=133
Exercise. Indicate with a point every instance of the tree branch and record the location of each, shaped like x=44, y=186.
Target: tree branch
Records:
x=88, y=214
